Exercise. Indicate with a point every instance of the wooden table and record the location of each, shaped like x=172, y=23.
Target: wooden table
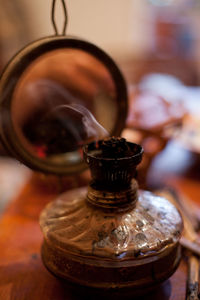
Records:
x=22, y=274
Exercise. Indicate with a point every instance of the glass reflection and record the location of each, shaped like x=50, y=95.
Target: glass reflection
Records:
x=61, y=102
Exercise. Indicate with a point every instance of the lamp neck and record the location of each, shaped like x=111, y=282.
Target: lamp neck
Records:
x=118, y=200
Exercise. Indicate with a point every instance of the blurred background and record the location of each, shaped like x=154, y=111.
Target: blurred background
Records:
x=156, y=44
x=132, y=31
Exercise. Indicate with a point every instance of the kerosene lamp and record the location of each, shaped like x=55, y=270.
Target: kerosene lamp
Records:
x=109, y=235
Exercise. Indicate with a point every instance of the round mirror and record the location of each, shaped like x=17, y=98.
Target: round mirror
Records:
x=56, y=95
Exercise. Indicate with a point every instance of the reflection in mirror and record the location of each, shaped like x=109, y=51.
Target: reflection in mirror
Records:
x=64, y=99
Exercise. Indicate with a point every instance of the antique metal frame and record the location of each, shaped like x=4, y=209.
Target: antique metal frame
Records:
x=13, y=72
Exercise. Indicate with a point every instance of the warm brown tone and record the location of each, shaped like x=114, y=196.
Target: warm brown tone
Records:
x=22, y=274
x=111, y=236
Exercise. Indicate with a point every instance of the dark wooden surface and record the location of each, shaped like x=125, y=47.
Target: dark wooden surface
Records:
x=22, y=274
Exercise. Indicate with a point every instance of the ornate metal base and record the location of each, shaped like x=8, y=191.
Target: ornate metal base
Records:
x=123, y=250
x=122, y=277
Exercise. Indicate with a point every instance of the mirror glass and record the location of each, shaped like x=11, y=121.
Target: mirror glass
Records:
x=64, y=99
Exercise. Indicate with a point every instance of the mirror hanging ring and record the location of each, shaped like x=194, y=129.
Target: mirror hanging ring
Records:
x=54, y=20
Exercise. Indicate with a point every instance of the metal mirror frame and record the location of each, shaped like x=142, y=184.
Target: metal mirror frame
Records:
x=10, y=77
